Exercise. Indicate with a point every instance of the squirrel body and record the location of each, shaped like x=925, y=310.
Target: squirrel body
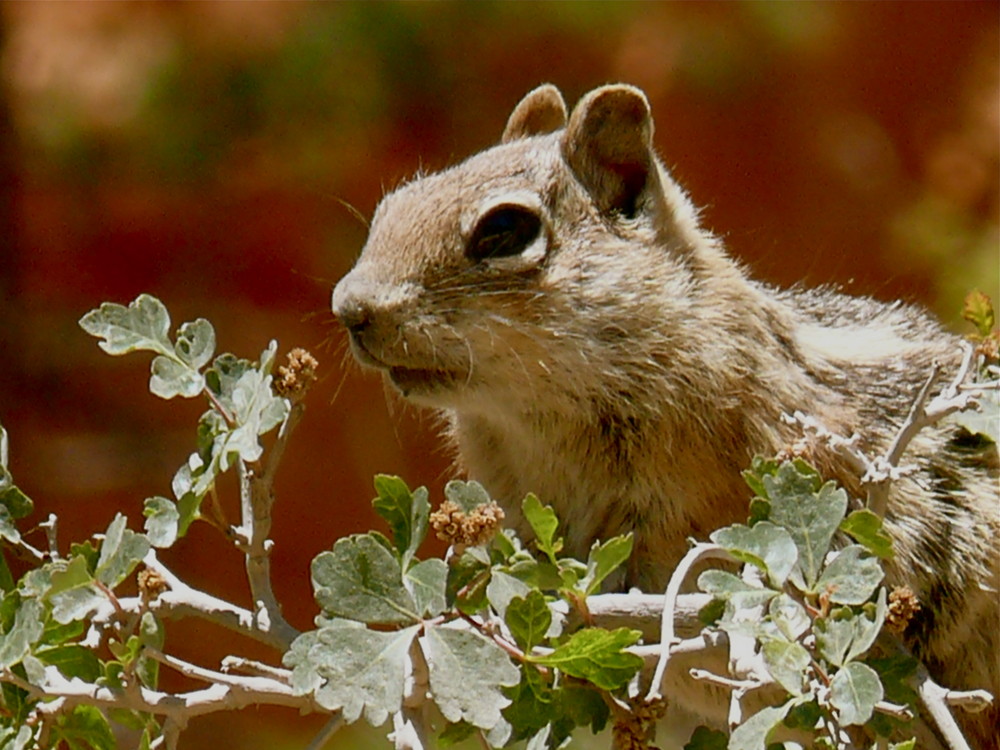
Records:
x=555, y=298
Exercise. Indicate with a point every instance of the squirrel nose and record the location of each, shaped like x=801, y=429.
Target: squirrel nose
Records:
x=351, y=304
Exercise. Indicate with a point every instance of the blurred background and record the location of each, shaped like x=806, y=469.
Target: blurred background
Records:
x=216, y=155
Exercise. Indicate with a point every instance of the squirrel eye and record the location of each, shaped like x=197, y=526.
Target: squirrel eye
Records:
x=503, y=232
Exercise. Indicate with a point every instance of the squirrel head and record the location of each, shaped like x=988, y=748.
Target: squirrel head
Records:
x=505, y=275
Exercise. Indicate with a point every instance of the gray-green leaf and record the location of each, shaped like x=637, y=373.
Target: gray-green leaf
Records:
x=352, y=668
x=143, y=325
x=786, y=661
x=854, y=691
x=753, y=733
x=467, y=674
x=852, y=576
x=769, y=547
x=362, y=580
x=810, y=516
x=121, y=551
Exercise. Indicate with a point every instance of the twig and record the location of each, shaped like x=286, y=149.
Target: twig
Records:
x=329, y=729
x=182, y=601
x=407, y=730
x=240, y=665
x=178, y=707
x=256, y=502
x=694, y=555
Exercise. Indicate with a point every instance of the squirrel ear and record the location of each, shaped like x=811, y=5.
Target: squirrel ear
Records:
x=609, y=146
x=540, y=111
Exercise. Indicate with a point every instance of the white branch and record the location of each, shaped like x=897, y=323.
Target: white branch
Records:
x=695, y=555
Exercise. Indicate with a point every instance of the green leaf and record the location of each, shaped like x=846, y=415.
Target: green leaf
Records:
x=760, y=467
x=532, y=705
x=121, y=550
x=405, y=512
x=544, y=523
x=16, y=503
x=811, y=514
x=896, y=673
x=787, y=662
x=865, y=528
x=16, y=643
x=704, y=738
x=789, y=617
x=467, y=495
x=161, y=523
x=866, y=629
x=351, y=668
x=468, y=578
x=143, y=325
x=71, y=590
x=467, y=674
x=529, y=619
x=597, y=655
x=455, y=733
x=769, y=547
x=854, y=691
x=426, y=583
x=753, y=734
x=361, y=580
x=604, y=559
x=851, y=577
x=72, y=660
x=83, y=728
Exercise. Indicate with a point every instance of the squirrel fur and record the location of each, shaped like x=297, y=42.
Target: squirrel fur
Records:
x=556, y=300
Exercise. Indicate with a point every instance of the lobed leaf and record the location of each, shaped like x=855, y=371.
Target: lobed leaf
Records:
x=467, y=675
x=597, y=655
x=865, y=527
x=142, y=326
x=529, y=619
x=361, y=580
x=809, y=512
x=352, y=668
x=544, y=523
x=769, y=547
x=604, y=559
x=405, y=512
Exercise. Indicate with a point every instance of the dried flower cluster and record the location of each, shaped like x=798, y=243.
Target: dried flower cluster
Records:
x=633, y=730
x=903, y=605
x=151, y=584
x=295, y=378
x=457, y=527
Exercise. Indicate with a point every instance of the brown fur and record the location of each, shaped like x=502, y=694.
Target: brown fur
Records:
x=621, y=366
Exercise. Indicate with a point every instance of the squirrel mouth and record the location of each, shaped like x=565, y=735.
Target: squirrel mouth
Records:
x=408, y=379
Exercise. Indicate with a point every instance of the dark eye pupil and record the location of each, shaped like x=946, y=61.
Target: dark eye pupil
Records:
x=503, y=232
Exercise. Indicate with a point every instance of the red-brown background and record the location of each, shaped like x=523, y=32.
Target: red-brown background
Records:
x=204, y=153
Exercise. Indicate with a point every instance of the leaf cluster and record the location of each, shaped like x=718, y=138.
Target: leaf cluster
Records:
x=485, y=630
x=59, y=621
x=814, y=608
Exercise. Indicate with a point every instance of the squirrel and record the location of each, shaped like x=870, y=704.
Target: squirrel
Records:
x=556, y=300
